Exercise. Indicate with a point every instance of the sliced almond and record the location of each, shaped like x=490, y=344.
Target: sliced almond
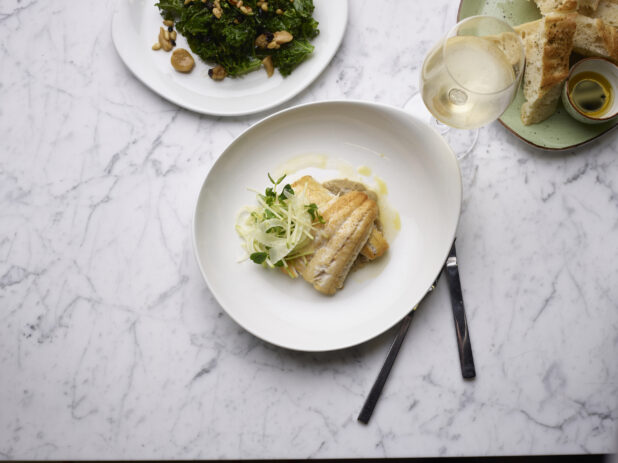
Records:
x=268, y=65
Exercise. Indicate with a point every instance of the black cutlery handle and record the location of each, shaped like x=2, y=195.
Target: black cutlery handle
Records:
x=376, y=390
x=461, y=324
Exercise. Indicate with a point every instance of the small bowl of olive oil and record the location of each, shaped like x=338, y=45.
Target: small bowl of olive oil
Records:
x=589, y=94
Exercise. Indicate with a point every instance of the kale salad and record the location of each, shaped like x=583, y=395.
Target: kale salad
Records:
x=240, y=36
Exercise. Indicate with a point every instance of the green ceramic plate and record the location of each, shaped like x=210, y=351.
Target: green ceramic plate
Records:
x=558, y=132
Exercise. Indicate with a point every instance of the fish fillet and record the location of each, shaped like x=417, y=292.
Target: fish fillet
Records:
x=316, y=193
x=376, y=244
x=349, y=222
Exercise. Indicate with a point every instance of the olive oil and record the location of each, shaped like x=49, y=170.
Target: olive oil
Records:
x=591, y=93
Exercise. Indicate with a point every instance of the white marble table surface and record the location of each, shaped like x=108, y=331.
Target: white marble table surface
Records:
x=112, y=346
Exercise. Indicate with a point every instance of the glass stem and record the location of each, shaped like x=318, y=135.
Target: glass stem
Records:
x=439, y=126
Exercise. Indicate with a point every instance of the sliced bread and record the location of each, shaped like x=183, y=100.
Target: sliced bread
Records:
x=560, y=6
x=608, y=12
x=510, y=44
x=528, y=28
x=593, y=37
x=587, y=7
x=548, y=45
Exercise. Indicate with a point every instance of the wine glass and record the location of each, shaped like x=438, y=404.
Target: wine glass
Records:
x=468, y=79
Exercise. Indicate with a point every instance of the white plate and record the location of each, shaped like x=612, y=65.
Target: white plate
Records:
x=135, y=27
x=424, y=187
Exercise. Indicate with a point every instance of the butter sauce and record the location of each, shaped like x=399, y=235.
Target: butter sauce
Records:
x=364, y=170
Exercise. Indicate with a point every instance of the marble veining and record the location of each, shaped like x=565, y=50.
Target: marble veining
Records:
x=112, y=346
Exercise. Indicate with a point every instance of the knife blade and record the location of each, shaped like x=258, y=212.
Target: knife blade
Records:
x=459, y=314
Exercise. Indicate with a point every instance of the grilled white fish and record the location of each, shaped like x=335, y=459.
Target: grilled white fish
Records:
x=349, y=222
x=376, y=245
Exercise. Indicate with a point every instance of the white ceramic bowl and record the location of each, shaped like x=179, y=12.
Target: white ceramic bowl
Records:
x=424, y=187
x=608, y=70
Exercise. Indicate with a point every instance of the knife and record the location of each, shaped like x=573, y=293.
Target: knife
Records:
x=459, y=314
x=378, y=385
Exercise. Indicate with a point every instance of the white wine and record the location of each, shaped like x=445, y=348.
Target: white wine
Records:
x=469, y=81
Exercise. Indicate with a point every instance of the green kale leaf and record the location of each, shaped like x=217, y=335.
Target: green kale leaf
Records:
x=230, y=39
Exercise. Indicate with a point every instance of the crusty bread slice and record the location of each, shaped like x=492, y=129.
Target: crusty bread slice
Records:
x=548, y=45
x=587, y=7
x=595, y=38
x=608, y=12
x=541, y=106
x=531, y=27
x=510, y=45
x=560, y=6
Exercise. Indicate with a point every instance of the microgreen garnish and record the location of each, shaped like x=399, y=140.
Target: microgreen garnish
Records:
x=258, y=257
x=281, y=227
x=312, y=209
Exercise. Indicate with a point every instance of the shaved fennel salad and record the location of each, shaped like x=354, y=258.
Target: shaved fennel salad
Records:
x=280, y=228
